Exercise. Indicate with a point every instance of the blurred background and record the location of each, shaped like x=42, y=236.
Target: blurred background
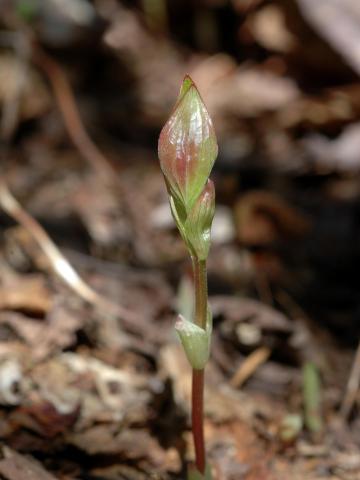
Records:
x=93, y=384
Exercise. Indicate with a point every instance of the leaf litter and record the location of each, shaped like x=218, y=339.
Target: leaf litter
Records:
x=95, y=386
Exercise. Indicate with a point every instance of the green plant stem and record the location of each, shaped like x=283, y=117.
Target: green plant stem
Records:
x=200, y=281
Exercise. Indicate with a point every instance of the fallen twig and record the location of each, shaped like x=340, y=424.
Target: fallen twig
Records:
x=59, y=263
x=11, y=107
x=249, y=366
x=73, y=123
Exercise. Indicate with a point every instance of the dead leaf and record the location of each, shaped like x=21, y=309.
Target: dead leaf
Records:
x=338, y=22
x=250, y=92
x=35, y=98
x=14, y=466
x=10, y=381
x=263, y=217
x=236, y=309
x=25, y=293
x=269, y=29
x=131, y=444
x=45, y=336
x=48, y=421
x=340, y=154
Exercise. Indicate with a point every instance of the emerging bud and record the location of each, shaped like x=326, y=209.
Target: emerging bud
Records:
x=198, y=222
x=187, y=147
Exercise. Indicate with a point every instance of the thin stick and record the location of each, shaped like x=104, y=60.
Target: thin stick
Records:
x=73, y=123
x=249, y=366
x=59, y=263
x=11, y=106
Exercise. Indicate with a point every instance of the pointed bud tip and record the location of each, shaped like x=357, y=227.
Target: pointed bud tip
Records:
x=187, y=78
x=188, y=81
x=186, y=85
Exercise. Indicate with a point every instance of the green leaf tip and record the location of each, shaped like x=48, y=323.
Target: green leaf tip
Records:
x=194, y=474
x=185, y=86
x=312, y=398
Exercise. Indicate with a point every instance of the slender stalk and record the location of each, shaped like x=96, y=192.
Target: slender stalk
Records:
x=197, y=417
x=200, y=281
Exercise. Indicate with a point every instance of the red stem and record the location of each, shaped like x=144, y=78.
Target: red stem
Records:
x=198, y=419
x=197, y=414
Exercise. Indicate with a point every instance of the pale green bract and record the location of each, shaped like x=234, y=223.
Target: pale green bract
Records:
x=195, y=340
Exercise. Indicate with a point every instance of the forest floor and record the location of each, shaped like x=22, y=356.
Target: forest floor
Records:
x=93, y=382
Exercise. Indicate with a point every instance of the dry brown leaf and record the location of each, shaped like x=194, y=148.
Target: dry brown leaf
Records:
x=35, y=98
x=104, y=219
x=263, y=217
x=45, y=419
x=340, y=154
x=236, y=310
x=26, y=293
x=250, y=92
x=14, y=466
x=268, y=28
x=338, y=22
x=134, y=444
